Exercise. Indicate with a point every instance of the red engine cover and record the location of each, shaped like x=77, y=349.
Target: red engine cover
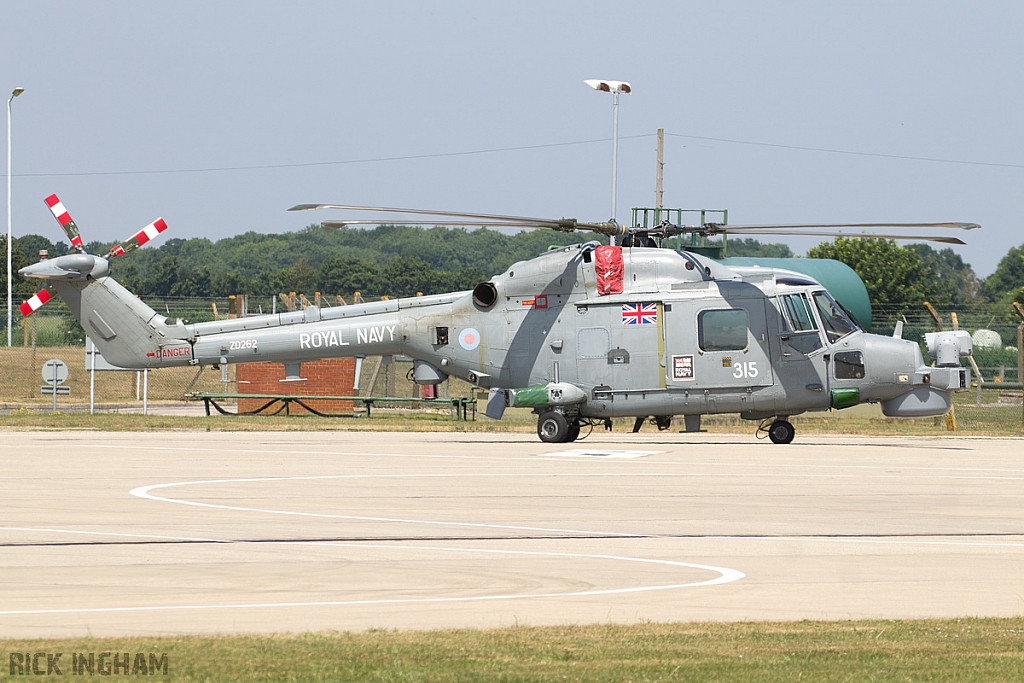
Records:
x=608, y=264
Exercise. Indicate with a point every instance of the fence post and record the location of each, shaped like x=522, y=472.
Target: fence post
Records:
x=1020, y=356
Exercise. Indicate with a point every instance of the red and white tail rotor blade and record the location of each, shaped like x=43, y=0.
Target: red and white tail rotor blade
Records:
x=36, y=302
x=139, y=238
x=66, y=222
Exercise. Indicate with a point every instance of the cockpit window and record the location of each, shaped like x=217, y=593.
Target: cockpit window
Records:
x=796, y=312
x=833, y=318
x=799, y=328
x=849, y=365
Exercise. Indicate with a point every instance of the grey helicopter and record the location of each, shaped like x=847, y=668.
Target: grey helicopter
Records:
x=580, y=334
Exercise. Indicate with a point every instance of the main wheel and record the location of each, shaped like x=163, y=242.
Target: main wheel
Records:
x=574, y=431
x=552, y=427
x=781, y=432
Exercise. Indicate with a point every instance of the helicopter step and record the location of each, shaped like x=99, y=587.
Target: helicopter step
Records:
x=691, y=423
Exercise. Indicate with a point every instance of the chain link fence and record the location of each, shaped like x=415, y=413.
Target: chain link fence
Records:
x=53, y=333
x=22, y=384
x=993, y=405
x=994, y=402
x=21, y=380
x=994, y=361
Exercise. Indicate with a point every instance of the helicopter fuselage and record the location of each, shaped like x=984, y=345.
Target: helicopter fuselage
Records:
x=659, y=333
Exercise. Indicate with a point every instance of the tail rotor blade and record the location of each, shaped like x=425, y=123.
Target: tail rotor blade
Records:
x=139, y=238
x=66, y=222
x=36, y=302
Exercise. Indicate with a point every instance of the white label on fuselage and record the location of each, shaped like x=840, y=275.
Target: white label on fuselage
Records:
x=320, y=340
x=372, y=335
x=364, y=335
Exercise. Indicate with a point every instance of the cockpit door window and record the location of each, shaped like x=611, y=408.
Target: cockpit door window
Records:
x=797, y=312
x=800, y=329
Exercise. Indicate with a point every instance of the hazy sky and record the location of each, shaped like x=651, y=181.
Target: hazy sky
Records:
x=219, y=116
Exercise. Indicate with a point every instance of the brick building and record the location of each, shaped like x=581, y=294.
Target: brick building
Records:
x=329, y=377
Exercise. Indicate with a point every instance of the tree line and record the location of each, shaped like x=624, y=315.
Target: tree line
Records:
x=396, y=260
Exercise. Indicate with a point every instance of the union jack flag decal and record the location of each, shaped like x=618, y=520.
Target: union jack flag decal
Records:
x=639, y=314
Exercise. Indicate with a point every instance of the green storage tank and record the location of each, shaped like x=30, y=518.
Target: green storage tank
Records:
x=838, y=278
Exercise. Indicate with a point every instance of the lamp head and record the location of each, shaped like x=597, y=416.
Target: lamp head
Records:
x=609, y=86
x=17, y=91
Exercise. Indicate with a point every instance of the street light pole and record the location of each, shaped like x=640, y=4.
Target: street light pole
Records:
x=615, y=148
x=614, y=87
x=15, y=93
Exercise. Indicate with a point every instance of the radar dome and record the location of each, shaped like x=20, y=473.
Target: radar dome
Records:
x=987, y=339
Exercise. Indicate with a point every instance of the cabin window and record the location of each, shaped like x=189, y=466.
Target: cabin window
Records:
x=722, y=330
x=849, y=365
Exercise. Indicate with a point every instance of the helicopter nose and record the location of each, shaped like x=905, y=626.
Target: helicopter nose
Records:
x=892, y=360
x=890, y=367
x=905, y=385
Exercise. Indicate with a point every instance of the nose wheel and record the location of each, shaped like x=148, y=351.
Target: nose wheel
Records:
x=781, y=431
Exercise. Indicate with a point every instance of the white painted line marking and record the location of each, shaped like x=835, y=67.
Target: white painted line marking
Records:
x=725, y=575
x=144, y=492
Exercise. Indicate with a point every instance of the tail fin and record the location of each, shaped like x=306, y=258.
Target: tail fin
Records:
x=126, y=331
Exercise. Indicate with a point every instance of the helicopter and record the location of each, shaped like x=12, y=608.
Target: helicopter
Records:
x=580, y=334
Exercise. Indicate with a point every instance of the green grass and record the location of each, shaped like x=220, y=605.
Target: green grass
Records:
x=383, y=421
x=1001, y=421
x=20, y=380
x=962, y=650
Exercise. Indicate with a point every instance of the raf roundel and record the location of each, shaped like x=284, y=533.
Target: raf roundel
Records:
x=469, y=339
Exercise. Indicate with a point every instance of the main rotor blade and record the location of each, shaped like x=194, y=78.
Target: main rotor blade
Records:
x=561, y=224
x=425, y=212
x=717, y=228
x=66, y=222
x=482, y=224
x=836, y=233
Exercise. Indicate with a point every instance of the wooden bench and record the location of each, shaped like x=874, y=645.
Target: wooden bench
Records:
x=461, y=406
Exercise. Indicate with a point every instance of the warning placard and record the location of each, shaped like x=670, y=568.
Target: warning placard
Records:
x=682, y=367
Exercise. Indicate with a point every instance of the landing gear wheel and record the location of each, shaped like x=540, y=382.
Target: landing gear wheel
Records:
x=781, y=432
x=552, y=427
x=574, y=431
